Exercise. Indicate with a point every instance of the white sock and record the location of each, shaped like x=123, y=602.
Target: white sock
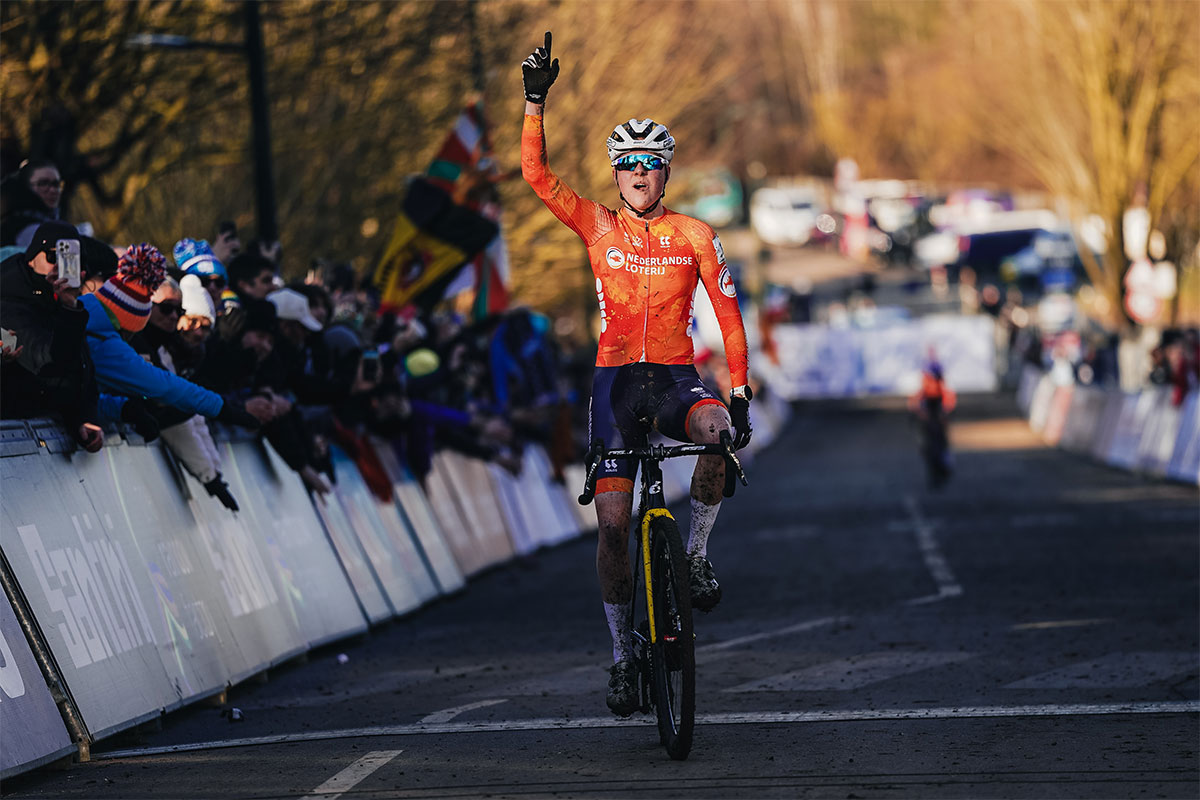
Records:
x=619, y=627
x=703, y=517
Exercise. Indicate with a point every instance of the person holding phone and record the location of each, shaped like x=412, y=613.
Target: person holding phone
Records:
x=47, y=367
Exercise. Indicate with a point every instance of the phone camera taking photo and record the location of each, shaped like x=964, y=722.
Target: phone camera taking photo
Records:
x=68, y=261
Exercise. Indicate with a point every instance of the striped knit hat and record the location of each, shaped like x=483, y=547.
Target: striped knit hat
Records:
x=127, y=294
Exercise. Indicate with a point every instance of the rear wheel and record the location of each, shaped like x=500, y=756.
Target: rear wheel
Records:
x=674, y=654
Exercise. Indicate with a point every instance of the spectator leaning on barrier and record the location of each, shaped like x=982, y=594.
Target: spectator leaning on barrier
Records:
x=46, y=364
x=186, y=434
x=199, y=314
x=241, y=360
x=122, y=307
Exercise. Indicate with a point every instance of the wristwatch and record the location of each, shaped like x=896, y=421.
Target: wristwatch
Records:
x=743, y=392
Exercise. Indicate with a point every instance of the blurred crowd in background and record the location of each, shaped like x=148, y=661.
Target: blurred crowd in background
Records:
x=181, y=341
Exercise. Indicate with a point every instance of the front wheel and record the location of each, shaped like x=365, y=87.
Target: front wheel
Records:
x=674, y=652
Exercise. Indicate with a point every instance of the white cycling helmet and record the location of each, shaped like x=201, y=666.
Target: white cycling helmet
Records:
x=641, y=134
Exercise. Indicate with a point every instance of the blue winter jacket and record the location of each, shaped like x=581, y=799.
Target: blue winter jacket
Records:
x=119, y=368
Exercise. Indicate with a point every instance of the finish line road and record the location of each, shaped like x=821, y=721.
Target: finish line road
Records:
x=1031, y=631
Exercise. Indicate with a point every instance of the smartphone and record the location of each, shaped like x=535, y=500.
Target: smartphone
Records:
x=8, y=338
x=370, y=366
x=68, y=262
x=227, y=227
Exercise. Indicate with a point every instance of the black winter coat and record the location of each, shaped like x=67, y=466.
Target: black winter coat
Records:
x=54, y=373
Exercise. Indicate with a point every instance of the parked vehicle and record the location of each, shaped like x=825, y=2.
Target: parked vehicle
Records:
x=784, y=216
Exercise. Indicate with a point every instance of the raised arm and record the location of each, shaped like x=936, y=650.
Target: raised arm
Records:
x=579, y=214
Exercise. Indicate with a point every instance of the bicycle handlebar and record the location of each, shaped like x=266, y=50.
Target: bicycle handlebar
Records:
x=658, y=452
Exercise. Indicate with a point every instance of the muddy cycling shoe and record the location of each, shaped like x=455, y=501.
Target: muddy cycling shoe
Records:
x=622, y=696
x=706, y=592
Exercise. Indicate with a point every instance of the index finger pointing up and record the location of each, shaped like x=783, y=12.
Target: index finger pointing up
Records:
x=547, y=45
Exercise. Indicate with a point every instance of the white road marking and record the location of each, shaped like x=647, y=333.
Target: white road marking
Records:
x=854, y=672
x=741, y=718
x=447, y=714
x=352, y=775
x=1113, y=671
x=799, y=627
x=1059, y=623
x=947, y=585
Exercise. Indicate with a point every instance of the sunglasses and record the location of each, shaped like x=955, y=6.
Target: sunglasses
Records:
x=628, y=163
x=215, y=280
x=168, y=307
x=47, y=184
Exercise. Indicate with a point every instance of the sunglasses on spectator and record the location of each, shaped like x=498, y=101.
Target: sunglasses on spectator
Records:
x=169, y=307
x=48, y=184
x=215, y=280
x=628, y=163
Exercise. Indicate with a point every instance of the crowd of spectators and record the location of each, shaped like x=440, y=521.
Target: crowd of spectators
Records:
x=211, y=340
x=1175, y=362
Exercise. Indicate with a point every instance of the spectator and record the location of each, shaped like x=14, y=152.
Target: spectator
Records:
x=101, y=262
x=34, y=198
x=199, y=314
x=187, y=435
x=121, y=307
x=244, y=362
x=48, y=367
x=195, y=257
x=20, y=207
x=252, y=276
x=227, y=245
x=46, y=182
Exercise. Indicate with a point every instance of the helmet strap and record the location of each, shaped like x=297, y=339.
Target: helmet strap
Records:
x=643, y=214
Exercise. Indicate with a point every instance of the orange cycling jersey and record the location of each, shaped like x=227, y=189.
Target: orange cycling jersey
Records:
x=646, y=271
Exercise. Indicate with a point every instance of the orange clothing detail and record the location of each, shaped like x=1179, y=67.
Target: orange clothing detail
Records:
x=933, y=389
x=646, y=271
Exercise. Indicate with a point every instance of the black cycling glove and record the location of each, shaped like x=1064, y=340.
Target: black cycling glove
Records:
x=220, y=489
x=540, y=73
x=739, y=412
x=234, y=413
x=135, y=413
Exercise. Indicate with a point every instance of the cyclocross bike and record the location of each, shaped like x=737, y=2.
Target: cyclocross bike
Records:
x=664, y=644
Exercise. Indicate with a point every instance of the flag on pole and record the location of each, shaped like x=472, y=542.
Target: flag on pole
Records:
x=432, y=237
x=450, y=220
x=464, y=167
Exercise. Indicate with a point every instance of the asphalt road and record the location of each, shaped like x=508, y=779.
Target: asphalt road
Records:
x=1029, y=632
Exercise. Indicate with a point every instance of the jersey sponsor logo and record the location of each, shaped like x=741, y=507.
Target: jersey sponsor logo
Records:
x=637, y=241
x=664, y=241
x=725, y=282
x=720, y=251
x=615, y=258
x=656, y=487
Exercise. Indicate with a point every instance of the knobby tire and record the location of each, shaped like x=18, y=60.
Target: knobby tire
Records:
x=674, y=654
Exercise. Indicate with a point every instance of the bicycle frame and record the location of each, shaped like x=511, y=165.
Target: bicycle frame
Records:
x=652, y=503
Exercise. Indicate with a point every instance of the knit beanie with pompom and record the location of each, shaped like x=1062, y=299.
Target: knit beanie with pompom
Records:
x=127, y=294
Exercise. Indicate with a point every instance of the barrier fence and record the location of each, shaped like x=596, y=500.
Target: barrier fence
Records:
x=1142, y=431
x=816, y=361
x=144, y=594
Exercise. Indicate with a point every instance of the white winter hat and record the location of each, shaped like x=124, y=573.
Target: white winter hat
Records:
x=197, y=302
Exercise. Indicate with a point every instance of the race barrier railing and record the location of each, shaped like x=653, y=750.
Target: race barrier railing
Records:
x=1142, y=431
x=132, y=592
